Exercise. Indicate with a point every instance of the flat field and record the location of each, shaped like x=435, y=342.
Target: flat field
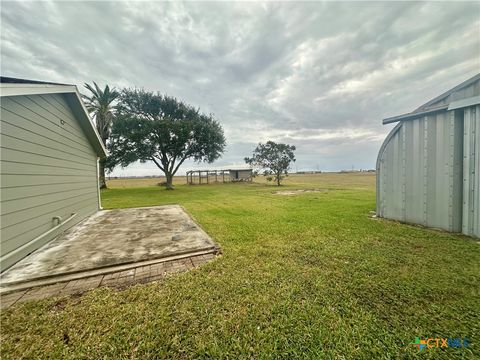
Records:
x=303, y=276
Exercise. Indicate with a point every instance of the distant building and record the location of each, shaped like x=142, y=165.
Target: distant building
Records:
x=428, y=168
x=49, y=175
x=219, y=175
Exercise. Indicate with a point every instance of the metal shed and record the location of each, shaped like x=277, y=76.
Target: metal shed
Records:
x=219, y=175
x=428, y=167
x=48, y=168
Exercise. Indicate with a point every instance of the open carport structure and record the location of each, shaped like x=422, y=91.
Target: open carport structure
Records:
x=220, y=175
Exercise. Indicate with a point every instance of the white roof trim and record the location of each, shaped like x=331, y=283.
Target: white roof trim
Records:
x=85, y=111
x=9, y=89
x=474, y=100
x=413, y=115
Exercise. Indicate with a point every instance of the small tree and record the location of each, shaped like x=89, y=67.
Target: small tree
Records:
x=158, y=128
x=101, y=105
x=274, y=159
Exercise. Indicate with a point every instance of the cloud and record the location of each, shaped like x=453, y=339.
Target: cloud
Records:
x=318, y=75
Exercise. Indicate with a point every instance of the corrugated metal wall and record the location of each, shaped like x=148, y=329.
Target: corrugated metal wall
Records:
x=471, y=171
x=416, y=172
x=48, y=168
x=423, y=176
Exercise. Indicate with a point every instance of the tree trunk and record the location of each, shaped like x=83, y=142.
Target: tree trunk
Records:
x=101, y=174
x=278, y=179
x=169, y=184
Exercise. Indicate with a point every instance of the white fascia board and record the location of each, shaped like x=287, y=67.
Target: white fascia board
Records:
x=33, y=89
x=83, y=112
x=79, y=97
x=474, y=100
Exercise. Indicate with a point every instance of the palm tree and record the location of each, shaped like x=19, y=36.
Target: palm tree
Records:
x=101, y=106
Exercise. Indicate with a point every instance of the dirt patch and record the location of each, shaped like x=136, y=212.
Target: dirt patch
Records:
x=298, y=192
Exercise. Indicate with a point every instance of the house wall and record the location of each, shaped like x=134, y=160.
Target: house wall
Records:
x=48, y=168
x=423, y=176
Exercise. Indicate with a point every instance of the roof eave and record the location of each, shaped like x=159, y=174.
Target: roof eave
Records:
x=91, y=131
x=471, y=101
x=8, y=89
x=13, y=80
x=413, y=115
x=452, y=90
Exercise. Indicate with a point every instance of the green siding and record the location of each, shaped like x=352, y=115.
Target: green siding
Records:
x=48, y=168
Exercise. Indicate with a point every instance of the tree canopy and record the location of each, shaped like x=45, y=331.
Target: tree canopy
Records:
x=274, y=159
x=159, y=128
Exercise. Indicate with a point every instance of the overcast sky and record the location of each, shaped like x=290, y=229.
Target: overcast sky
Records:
x=320, y=76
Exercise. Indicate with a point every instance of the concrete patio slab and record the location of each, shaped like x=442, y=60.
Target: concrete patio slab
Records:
x=112, y=241
x=117, y=279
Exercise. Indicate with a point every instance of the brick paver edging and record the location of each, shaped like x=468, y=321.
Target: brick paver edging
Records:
x=141, y=274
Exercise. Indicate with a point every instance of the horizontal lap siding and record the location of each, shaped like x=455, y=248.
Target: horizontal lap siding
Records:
x=31, y=228
x=48, y=169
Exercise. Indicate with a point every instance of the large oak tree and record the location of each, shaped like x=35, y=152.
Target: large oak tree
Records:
x=274, y=159
x=159, y=128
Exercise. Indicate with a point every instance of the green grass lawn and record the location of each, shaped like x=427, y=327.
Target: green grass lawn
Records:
x=304, y=276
